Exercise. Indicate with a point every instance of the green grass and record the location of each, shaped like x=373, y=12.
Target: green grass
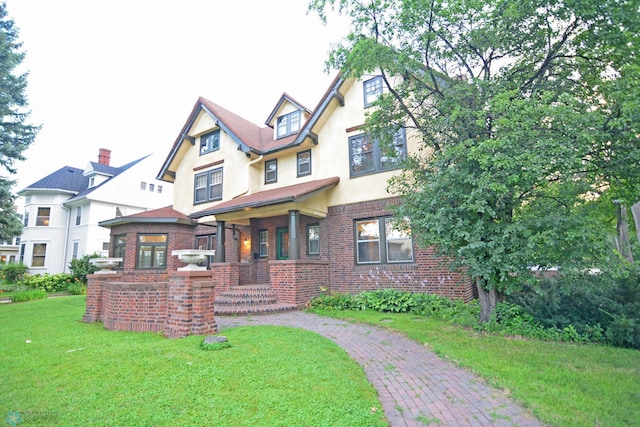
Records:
x=563, y=384
x=78, y=374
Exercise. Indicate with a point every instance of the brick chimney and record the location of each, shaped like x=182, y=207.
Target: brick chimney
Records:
x=104, y=157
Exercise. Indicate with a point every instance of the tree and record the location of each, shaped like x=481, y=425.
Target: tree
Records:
x=527, y=113
x=15, y=134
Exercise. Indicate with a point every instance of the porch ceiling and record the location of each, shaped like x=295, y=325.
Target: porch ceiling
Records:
x=309, y=198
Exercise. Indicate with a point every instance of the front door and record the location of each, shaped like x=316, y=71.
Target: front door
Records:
x=282, y=243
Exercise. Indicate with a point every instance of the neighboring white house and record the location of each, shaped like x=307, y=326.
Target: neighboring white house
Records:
x=63, y=209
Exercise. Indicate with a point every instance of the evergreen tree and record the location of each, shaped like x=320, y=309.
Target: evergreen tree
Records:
x=15, y=134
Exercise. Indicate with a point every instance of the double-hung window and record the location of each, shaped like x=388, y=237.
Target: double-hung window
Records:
x=152, y=251
x=304, y=163
x=372, y=89
x=367, y=155
x=207, y=186
x=263, y=242
x=39, y=255
x=378, y=241
x=78, y=215
x=271, y=171
x=210, y=142
x=288, y=124
x=43, y=216
x=313, y=239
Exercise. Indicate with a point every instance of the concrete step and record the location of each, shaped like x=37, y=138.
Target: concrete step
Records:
x=230, y=300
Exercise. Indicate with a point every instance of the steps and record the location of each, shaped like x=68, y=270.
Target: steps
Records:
x=245, y=300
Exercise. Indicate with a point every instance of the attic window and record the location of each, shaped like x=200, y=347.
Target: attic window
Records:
x=372, y=90
x=210, y=142
x=288, y=124
x=92, y=181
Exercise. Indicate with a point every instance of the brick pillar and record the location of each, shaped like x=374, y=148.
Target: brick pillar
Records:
x=190, y=299
x=225, y=275
x=93, y=312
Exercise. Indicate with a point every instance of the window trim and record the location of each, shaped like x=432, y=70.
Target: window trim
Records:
x=207, y=186
x=274, y=172
x=298, y=163
x=383, y=242
x=153, y=245
x=288, y=129
x=378, y=84
x=378, y=154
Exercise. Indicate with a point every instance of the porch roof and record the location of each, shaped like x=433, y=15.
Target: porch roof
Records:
x=250, y=206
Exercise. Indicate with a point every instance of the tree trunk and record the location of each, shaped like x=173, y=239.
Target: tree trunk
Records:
x=635, y=211
x=488, y=299
x=624, y=245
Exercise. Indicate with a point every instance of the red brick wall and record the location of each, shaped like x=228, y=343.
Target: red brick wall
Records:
x=139, y=307
x=298, y=281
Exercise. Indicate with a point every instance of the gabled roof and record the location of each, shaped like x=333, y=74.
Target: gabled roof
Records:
x=166, y=215
x=291, y=193
x=285, y=98
x=102, y=168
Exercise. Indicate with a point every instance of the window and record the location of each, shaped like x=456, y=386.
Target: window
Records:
x=22, y=249
x=39, y=254
x=304, y=163
x=119, y=245
x=74, y=254
x=26, y=219
x=143, y=185
x=313, y=239
x=263, y=243
x=78, y=215
x=210, y=142
x=378, y=241
x=271, y=171
x=159, y=190
x=372, y=90
x=152, y=251
x=288, y=124
x=43, y=216
x=367, y=156
x=152, y=187
x=92, y=181
x=208, y=186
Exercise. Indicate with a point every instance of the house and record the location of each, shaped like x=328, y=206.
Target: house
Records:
x=298, y=206
x=63, y=209
x=9, y=251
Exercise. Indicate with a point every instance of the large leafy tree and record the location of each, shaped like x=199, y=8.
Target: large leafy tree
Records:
x=528, y=116
x=15, y=134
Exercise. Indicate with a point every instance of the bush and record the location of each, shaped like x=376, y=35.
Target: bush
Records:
x=28, y=295
x=80, y=267
x=49, y=282
x=76, y=287
x=14, y=272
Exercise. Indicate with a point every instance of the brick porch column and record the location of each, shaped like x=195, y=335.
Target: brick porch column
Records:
x=93, y=312
x=190, y=299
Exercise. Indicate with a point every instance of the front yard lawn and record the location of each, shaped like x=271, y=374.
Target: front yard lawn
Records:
x=56, y=369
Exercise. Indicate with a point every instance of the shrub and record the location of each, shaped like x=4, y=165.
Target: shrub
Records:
x=333, y=301
x=49, y=282
x=76, y=287
x=389, y=300
x=28, y=295
x=80, y=267
x=14, y=272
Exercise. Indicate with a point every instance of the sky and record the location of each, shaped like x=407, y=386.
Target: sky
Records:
x=125, y=74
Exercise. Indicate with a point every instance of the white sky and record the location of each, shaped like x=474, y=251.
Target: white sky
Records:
x=125, y=74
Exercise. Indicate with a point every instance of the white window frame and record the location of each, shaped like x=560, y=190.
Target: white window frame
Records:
x=288, y=124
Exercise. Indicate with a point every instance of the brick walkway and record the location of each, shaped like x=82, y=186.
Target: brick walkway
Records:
x=415, y=387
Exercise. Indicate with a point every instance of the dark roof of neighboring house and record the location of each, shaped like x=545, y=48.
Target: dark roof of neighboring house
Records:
x=66, y=178
x=166, y=215
x=291, y=193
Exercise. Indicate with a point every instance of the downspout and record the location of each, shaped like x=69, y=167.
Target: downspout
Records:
x=251, y=163
x=66, y=239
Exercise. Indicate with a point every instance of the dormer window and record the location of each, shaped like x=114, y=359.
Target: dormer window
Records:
x=210, y=142
x=288, y=124
x=92, y=181
x=372, y=90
